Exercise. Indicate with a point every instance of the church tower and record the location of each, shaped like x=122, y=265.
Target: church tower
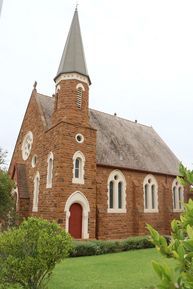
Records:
x=75, y=151
x=72, y=80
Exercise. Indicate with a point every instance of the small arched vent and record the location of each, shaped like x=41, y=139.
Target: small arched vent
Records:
x=79, y=97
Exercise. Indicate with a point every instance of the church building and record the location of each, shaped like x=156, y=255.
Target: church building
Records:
x=97, y=175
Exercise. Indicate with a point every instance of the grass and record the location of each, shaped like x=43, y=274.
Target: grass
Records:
x=126, y=270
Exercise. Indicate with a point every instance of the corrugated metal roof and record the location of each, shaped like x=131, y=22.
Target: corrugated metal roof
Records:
x=73, y=58
x=123, y=143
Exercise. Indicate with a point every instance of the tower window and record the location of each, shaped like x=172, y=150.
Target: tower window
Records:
x=79, y=95
x=78, y=168
x=79, y=138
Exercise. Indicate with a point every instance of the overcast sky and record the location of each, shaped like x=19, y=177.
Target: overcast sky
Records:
x=139, y=55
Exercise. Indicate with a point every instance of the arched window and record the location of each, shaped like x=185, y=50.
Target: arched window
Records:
x=79, y=94
x=15, y=195
x=50, y=162
x=78, y=168
x=150, y=189
x=111, y=195
x=116, y=192
x=178, y=196
x=36, y=192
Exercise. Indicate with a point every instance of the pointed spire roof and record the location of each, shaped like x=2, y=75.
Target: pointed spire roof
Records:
x=73, y=58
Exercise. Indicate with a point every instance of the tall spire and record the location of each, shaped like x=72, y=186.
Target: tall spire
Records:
x=73, y=58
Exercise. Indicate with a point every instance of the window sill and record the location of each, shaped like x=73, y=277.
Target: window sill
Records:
x=78, y=181
x=35, y=209
x=117, y=211
x=178, y=210
x=48, y=186
x=151, y=211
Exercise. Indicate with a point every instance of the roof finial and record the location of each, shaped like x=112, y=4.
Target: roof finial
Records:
x=76, y=6
x=35, y=85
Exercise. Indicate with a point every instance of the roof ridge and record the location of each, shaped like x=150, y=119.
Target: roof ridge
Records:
x=122, y=118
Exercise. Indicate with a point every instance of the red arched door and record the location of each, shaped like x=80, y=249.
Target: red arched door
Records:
x=75, y=221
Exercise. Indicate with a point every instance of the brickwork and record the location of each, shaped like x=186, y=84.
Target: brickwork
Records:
x=133, y=222
x=66, y=108
x=54, y=125
x=60, y=140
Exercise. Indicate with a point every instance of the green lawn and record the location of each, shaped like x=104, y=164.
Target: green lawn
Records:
x=126, y=270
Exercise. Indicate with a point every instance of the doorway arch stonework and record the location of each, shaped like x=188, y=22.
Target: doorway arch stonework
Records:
x=80, y=198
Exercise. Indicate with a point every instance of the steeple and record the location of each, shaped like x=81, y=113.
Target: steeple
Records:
x=73, y=58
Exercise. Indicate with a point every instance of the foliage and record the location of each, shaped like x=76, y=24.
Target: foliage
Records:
x=3, y=155
x=186, y=176
x=180, y=246
x=89, y=248
x=6, y=199
x=28, y=254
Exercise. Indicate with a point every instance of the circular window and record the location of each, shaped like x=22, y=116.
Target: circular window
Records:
x=34, y=161
x=79, y=138
x=149, y=181
x=116, y=177
x=27, y=145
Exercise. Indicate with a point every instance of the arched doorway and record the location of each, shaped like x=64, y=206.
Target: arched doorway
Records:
x=80, y=199
x=75, y=221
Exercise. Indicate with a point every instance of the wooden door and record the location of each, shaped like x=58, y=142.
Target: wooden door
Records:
x=75, y=221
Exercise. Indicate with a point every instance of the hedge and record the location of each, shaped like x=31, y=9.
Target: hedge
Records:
x=96, y=247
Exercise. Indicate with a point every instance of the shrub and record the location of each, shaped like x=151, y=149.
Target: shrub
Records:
x=88, y=248
x=180, y=246
x=29, y=253
x=137, y=243
x=7, y=203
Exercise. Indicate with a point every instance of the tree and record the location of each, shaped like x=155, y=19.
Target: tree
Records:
x=180, y=246
x=29, y=253
x=6, y=186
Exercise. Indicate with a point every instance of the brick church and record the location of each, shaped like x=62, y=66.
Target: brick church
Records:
x=98, y=175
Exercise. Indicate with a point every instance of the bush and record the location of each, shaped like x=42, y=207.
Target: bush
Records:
x=89, y=248
x=29, y=253
x=180, y=246
x=7, y=203
x=137, y=243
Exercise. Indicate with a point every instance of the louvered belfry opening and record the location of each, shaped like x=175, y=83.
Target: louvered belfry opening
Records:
x=79, y=97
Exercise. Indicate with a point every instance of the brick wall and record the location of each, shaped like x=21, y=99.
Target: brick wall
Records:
x=133, y=222
x=66, y=108
x=68, y=120
x=60, y=140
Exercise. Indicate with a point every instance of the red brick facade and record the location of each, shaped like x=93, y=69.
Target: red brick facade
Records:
x=67, y=122
x=79, y=175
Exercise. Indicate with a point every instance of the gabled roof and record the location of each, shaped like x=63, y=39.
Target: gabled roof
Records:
x=46, y=104
x=73, y=58
x=123, y=143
